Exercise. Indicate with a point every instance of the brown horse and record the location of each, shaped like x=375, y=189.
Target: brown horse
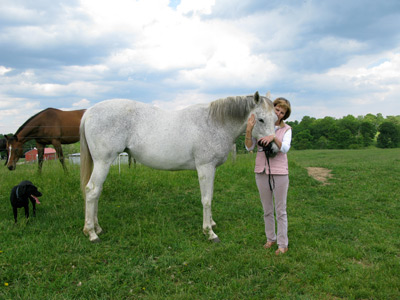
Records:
x=50, y=126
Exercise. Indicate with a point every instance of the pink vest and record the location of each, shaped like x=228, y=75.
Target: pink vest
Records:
x=279, y=163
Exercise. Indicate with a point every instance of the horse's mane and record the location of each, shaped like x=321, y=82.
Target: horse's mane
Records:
x=233, y=108
x=30, y=119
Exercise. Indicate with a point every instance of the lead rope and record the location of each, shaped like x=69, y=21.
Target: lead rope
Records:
x=270, y=177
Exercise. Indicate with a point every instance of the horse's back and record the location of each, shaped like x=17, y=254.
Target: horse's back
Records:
x=61, y=124
x=62, y=117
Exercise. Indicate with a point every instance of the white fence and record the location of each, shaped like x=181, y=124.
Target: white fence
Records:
x=123, y=158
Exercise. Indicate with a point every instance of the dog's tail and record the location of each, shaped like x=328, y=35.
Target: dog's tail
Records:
x=86, y=158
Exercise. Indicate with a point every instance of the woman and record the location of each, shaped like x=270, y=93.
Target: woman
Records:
x=272, y=175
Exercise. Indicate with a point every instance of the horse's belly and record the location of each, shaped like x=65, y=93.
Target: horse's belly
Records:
x=166, y=160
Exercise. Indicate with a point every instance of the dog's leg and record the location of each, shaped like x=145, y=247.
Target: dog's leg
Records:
x=33, y=207
x=15, y=214
x=26, y=207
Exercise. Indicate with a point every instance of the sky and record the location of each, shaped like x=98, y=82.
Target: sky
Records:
x=329, y=58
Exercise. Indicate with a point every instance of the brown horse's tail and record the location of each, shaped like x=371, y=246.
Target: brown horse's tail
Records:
x=86, y=158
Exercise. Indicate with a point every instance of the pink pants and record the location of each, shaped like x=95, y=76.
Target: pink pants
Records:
x=267, y=196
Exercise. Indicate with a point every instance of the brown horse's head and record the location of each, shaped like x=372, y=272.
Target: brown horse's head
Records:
x=14, y=151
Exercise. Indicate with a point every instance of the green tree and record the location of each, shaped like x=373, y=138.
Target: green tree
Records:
x=368, y=132
x=351, y=123
x=389, y=135
x=344, y=138
x=376, y=120
x=394, y=119
x=302, y=140
x=327, y=128
x=322, y=143
x=2, y=153
x=306, y=123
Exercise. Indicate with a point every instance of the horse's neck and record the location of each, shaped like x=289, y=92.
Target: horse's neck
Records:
x=27, y=133
x=232, y=114
x=234, y=128
x=240, y=129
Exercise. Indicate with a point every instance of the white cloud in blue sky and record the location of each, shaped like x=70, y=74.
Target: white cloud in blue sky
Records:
x=330, y=58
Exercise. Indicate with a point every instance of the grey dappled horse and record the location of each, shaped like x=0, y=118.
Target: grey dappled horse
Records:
x=198, y=137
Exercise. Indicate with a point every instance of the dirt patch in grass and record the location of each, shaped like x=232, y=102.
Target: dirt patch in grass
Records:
x=320, y=174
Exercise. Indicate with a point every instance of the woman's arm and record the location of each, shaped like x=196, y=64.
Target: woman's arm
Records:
x=249, y=129
x=286, y=141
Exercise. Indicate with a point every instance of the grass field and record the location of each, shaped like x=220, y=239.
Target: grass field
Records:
x=344, y=236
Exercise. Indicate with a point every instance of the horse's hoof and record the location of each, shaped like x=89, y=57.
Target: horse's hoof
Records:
x=216, y=240
x=95, y=241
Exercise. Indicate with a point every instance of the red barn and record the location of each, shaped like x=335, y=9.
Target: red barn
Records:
x=49, y=154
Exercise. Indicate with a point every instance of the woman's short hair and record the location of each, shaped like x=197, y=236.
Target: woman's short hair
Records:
x=284, y=103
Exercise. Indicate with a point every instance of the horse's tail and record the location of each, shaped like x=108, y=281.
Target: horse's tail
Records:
x=86, y=158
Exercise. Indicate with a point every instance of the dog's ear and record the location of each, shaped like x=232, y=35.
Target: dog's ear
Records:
x=21, y=190
x=24, y=186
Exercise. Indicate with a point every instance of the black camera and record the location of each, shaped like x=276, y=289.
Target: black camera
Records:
x=267, y=149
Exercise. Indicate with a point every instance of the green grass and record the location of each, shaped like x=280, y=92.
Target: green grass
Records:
x=344, y=237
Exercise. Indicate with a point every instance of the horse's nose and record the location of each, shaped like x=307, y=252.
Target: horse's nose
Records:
x=11, y=168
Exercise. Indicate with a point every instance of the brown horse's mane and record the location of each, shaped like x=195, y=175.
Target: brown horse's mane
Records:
x=30, y=119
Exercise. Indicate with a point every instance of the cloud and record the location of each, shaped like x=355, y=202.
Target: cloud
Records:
x=14, y=112
x=4, y=70
x=353, y=88
x=84, y=103
x=183, y=100
x=339, y=57
x=203, y=7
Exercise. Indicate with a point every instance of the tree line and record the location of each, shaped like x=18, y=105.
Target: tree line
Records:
x=348, y=132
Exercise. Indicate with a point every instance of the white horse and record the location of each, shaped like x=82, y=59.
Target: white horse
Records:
x=199, y=137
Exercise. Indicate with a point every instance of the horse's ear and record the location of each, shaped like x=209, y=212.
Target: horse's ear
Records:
x=9, y=138
x=256, y=97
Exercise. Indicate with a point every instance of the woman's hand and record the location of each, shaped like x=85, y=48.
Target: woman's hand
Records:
x=267, y=139
x=251, y=122
x=250, y=125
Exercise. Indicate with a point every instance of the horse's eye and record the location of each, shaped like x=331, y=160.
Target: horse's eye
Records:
x=261, y=120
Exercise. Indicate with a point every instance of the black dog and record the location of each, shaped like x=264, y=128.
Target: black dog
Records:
x=20, y=196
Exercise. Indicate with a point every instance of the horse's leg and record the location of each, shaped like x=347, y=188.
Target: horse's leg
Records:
x=130, y=160
x=206, y=175
x=93, y=190
x=40, y=149
x=60, y=154
x=97, y=227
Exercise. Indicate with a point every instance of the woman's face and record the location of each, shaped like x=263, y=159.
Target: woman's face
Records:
x=280, y=112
